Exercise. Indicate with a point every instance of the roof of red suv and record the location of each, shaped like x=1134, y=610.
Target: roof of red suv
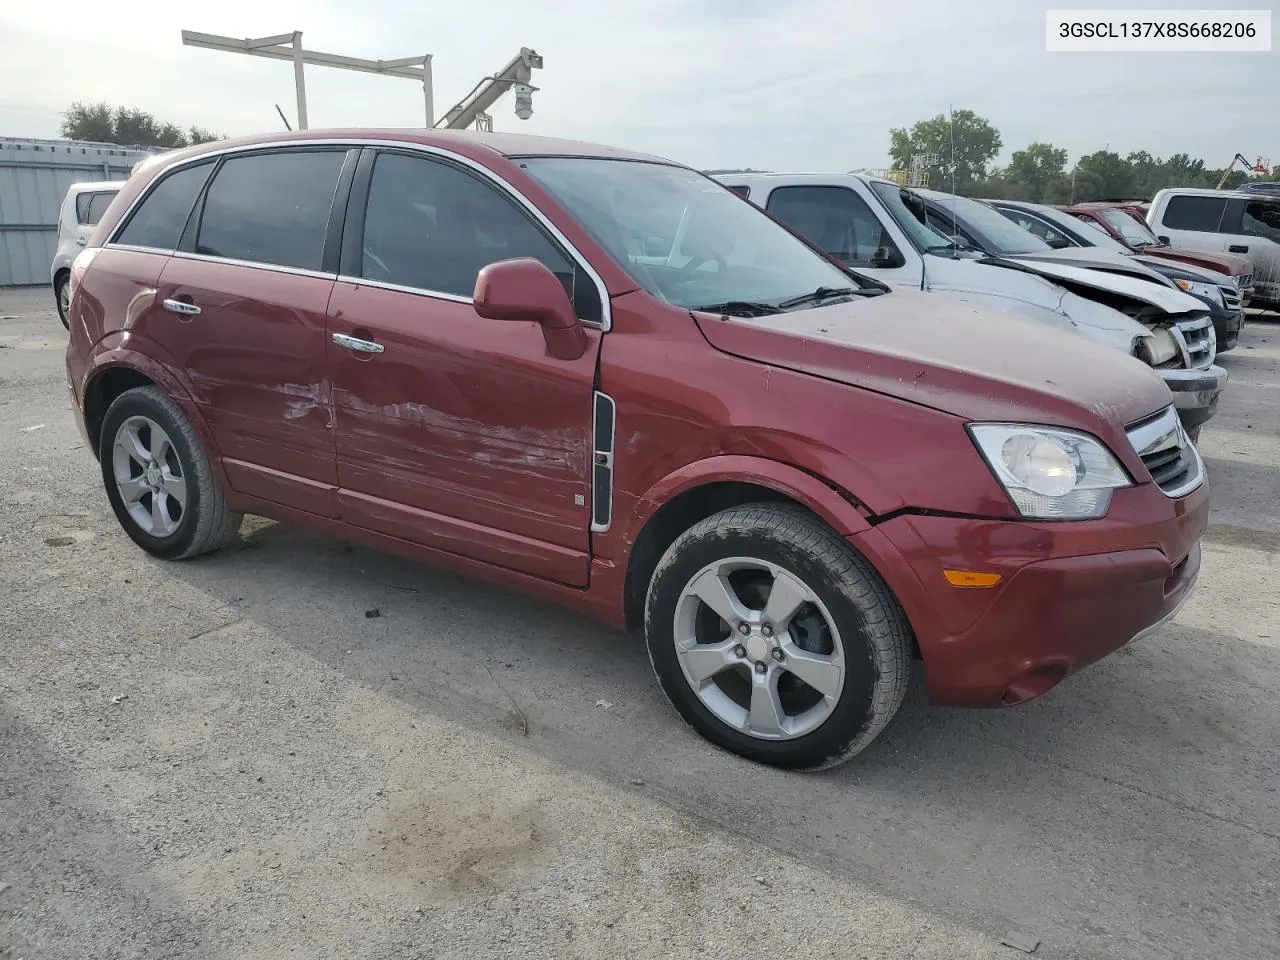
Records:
x=462, y=141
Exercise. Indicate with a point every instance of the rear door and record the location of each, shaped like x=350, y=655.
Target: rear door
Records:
x=454, y=431
x=1259, y=240
x=245, y=299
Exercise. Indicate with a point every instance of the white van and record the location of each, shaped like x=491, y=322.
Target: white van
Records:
x=1225, y=220
x=82, y=208
x=864, y=222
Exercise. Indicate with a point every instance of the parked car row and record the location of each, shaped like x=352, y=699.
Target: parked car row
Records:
x=930, y=241
x=797, y=450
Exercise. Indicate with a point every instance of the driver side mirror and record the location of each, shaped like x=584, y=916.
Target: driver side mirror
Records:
x=888, y=258
x=524, y=290
x=1058, y=243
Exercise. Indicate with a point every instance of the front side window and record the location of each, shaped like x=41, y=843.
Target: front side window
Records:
x=683, y=237
x=433, y=226
x=1189, y=212
x=159, y=220
x=271, y=208
x=1036, y=226
x=1262, y=219
x=1133, y=231
x=837, y=220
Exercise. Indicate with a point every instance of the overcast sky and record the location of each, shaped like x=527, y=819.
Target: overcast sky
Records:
x=772, y=84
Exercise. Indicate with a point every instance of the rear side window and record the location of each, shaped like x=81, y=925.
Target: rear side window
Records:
x=271, y=208
x=836, y=219
x=1262, y=219
x=97, y=206
x=432, y=226
x=159, y=220
x=91, y=206
x=1202, y=214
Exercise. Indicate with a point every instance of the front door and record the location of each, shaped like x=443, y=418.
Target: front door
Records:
x=246, y=305
x=453, y=431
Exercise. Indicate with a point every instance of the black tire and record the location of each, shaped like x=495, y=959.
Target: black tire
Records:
x=874, y=632
x=205, y=523
x=59, y=288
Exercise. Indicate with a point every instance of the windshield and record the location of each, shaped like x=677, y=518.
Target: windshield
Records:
x=923, y=238
x=1130, y=228
x=1093, y=236
x=683, y=237
x=1097, y=236
x=1002, y=236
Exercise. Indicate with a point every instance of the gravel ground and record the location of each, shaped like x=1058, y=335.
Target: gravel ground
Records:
x=227, y=758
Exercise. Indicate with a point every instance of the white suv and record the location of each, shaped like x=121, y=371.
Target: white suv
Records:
x=1245, y=223
x=82, y=208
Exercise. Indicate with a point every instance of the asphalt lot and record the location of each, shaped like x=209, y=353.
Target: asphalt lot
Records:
x=227, y=758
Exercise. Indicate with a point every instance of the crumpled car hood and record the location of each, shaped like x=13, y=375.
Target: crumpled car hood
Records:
x=1095, y=258
x=1157, y=295
x=941, y=352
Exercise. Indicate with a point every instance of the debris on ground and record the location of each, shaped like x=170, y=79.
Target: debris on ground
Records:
x=120, y=698
x=370, y=614
x=1020, y=941
x=34, y=427
x=605, y=704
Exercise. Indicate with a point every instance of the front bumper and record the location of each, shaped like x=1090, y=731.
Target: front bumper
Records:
x=1195, y=392
x=1227, y=325
x=1070, y=593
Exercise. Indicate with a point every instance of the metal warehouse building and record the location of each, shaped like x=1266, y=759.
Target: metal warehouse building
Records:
x=34, y=177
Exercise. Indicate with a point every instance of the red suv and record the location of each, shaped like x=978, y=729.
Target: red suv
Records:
x=606, y=380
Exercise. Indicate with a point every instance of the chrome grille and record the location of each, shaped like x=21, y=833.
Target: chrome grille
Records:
x=1246, y=289
x=1201, y=341
x=1167, y=452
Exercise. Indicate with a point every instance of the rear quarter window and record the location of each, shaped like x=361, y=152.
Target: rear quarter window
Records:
x=158, y=221
x=1201, y=214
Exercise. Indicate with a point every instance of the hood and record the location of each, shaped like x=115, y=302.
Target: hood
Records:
x=1095, y=258
x=1082, y=280
x=941, y=352
x=1229, y=264
x=1182, y=271
x=1027, y=295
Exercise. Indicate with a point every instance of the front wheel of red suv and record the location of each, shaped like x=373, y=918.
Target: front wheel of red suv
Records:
x=159, y=479
x=775, y=639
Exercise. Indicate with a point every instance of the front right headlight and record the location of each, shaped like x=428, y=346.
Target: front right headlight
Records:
x=1050, y=473
x=1156, y=347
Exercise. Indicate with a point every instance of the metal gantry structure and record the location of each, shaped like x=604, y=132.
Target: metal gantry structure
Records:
x=515, y=76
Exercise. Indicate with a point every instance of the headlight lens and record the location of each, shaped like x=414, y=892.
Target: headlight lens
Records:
x=1210, y=290
x=1050, y=474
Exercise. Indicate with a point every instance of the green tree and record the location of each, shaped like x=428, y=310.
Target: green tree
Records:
x=89, y=121
x=1104, y=175
x=127, y=126
x=965, y=141
x=1034, y=168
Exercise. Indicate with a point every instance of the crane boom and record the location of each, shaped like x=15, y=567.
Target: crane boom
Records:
x=516, y=74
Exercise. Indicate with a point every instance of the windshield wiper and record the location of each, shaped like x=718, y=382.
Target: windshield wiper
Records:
x=739, y=308
x=826, y=293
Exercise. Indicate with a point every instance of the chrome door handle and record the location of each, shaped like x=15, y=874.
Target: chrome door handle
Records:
x=182, y=307
x=81, y=242
x=355, y=343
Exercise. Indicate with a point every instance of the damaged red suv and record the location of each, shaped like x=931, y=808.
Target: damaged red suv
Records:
x=606, y=380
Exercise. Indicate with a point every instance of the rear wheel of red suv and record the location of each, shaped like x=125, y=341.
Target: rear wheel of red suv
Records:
x=775, y=639
x=159, y=479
